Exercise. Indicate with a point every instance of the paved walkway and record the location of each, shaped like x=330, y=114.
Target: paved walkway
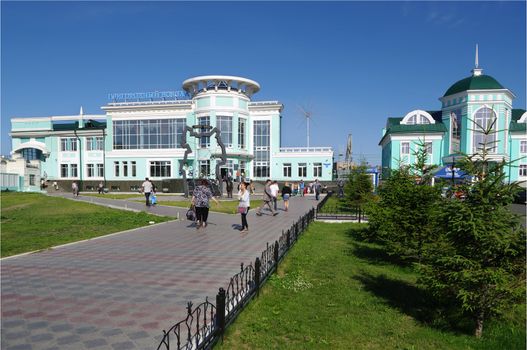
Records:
x=121, y=291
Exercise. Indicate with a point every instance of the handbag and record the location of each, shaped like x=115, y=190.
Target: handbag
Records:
x=191, y=214
x=242, y=210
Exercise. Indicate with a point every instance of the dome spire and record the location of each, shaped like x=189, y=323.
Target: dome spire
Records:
x=477, y=71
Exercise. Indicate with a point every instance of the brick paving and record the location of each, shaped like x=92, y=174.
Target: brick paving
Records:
x=121, y=291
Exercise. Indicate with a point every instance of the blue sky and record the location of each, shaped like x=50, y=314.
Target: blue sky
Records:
x=352, y=64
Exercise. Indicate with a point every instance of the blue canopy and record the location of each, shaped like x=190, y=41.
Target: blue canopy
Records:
x=446, y=173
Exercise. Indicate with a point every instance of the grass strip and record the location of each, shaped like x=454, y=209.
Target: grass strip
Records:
x=32, y=221
x=333, y=291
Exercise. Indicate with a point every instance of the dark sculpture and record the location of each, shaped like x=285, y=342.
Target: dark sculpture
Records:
x=188, y=150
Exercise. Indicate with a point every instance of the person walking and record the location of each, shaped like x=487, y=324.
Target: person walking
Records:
x=147, y=188
x=244, y=205
x=230, y=185
x=200, y=199
x=274, y=192
x=286, y=194
x=317, y=188
x=100, y=188
x=301, y=186
x=267, y=199
x=75, y=189
x=251, y=187
x=340, y=185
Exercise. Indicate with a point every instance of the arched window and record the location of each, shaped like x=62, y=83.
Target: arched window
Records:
x=418, y=117
x=484, y=123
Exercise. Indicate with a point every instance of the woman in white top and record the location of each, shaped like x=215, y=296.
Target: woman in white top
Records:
x=244, y=205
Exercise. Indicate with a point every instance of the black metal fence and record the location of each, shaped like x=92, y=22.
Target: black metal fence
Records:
x=206, y=323
x=331, y=209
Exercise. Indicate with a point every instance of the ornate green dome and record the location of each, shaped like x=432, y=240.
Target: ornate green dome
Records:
x=475, y=82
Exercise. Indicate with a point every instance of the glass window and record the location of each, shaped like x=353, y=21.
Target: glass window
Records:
x=125, y=168
x=148, y=134
x=160, y=168
x=94, y=143
x=302, y=170
x=68, y=144
x=100, y=170
x=241, y=133
x=116, y=169
x=287, y=169
x=224, y=125
x=405, y=147
x=204, y=141
x=73, y=169
x=317, y=169
x=31, y=180
x=523, y=146
x=484, y=120
x=90, y=170
x=428, y=146
x=523, y=170
x=64, y=170
x=204, y=168
x=455, y=128
x=31, y=154
x=261, y=143
x=134, y=169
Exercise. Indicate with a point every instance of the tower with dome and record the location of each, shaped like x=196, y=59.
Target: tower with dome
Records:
x=469, y=104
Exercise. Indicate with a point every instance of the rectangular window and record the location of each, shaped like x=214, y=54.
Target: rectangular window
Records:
x=73, y=170
x=148, y=134
x=68, y=144
x=224, y=125
x=405, y=147
x=204, y=168
x=523, y=146
x=100, y=170
x=125, y=168
x=116, y=169
x=287, y=169
x=134, y=169
x=241, y=133
x=317, y=169
x=455, y=128
x=64, y=170
x=302, y=170
x=204, y=141
x=523, y=170
x=261, y=143
x=31, y=180
x=94, y=143
x=428, y=146
x=160, y=168
x=90, y=170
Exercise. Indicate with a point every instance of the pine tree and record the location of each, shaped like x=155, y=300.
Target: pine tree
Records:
x=478, y=259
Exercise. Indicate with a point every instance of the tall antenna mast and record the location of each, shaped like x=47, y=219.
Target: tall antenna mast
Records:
x=307, y=115
x=477, y=71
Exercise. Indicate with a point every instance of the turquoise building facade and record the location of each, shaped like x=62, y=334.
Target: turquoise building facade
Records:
x=140, y=136
x=476, y=102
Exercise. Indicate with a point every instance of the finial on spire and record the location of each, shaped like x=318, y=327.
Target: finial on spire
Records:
x=477, y=61
x=477, y=71
x=81, y=112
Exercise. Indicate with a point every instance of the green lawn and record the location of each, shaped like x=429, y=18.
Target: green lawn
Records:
x=32, y=221
x=226, y=207
x=336, y=205
x=335, y=292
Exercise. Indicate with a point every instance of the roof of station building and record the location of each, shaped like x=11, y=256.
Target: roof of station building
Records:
x=89, y=124
x=394, y=126
x=474, y=82
x=515, y=126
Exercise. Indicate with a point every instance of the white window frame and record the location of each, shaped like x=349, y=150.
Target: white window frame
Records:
x=522, y=170
x=317, y=170
x=287, y=169
x=523, y=146
x=302, y=174
x=403, y=144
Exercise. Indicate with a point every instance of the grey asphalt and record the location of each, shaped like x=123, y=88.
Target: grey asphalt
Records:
x=120, y=291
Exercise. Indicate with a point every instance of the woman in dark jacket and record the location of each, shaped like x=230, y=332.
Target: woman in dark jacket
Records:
x=286, y=193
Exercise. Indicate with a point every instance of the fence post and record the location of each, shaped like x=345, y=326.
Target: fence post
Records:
x=257, y=274
x=288, y=238
x=276, y=246
x=220, y=312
